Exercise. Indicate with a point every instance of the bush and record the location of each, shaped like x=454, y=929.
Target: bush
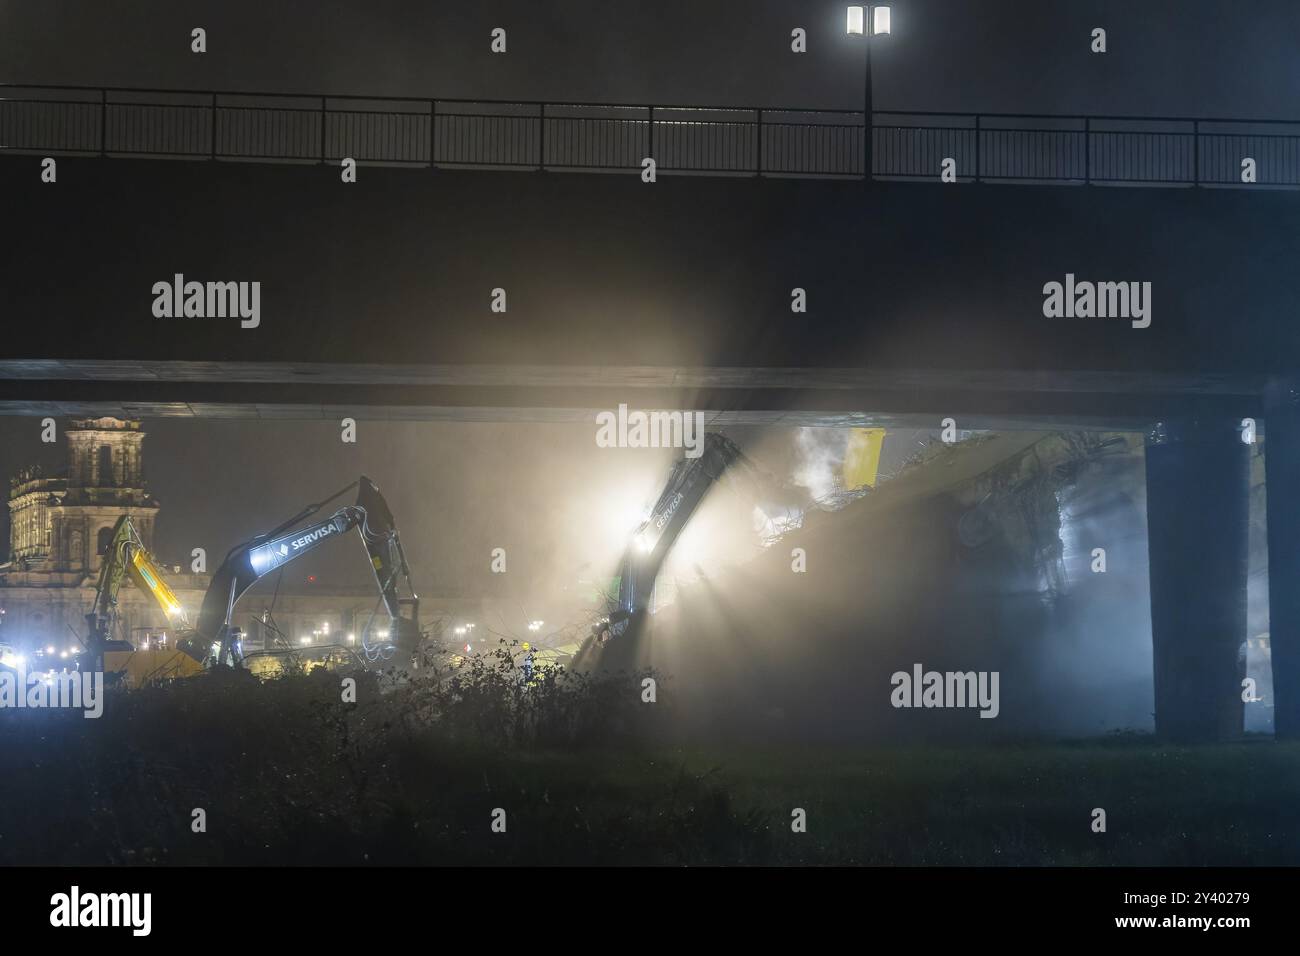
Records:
x=486, y=700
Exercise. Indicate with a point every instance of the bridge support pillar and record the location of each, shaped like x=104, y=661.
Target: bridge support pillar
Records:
x=1282, y=481
x=1198, y=494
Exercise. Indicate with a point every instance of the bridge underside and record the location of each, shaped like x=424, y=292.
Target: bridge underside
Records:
x=923, y=302
x=803, y=396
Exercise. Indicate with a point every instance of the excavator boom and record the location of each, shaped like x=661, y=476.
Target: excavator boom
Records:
x=690, y=480
x=147, y=577
x=126, y=557
x=254, y=559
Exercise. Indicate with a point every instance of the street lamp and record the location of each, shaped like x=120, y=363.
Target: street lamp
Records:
x=859, y=18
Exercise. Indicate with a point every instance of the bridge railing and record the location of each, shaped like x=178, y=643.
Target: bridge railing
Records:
x=728, y=141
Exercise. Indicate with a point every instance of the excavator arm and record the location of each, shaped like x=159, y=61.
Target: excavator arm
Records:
x=126, y=557
x=249, y=562
x=689, y=481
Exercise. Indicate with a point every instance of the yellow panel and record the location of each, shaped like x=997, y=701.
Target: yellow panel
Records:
x=862, y=460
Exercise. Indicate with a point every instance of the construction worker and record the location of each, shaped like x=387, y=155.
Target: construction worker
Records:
x=528, y=662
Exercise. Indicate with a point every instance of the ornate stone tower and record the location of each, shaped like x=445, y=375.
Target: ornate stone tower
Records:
x=66, y=523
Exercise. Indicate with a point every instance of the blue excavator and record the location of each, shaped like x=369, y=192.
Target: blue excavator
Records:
x=215, y=640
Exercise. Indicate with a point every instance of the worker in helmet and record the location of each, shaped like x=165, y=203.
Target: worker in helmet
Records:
x=528, y=662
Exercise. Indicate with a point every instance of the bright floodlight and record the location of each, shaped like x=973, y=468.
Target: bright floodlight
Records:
x=879, y=20
x=856, y=21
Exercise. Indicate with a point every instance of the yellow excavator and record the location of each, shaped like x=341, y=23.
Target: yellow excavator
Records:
x=128, y=557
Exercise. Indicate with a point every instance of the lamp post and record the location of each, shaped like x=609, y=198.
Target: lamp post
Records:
x=866, y=21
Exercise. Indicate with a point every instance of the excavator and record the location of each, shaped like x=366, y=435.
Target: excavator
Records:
x=215, y=640
x=128, y=557
x=218, y=641
x=688, y=483
x=781, y=504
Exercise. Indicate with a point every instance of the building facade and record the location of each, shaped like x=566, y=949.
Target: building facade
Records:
x=64, y=522
x=60, y=528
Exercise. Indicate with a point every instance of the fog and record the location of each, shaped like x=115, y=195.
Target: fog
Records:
x=747, y=644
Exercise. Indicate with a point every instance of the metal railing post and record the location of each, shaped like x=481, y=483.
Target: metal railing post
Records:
x=759, y=164
x=1087, y=151
x=322, y=130
x=1196, y=153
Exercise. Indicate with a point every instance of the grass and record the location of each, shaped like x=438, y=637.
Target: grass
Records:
x=288, y=774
